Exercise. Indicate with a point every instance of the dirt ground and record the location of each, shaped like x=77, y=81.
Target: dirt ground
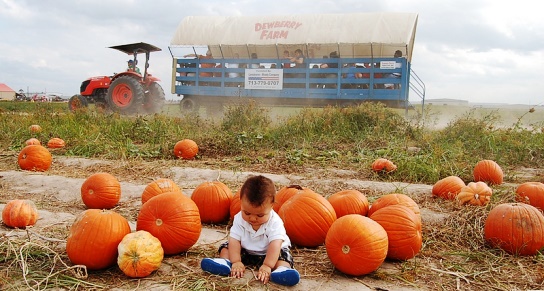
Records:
x=57, y=193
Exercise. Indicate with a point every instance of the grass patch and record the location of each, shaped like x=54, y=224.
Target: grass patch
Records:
x=351, y=138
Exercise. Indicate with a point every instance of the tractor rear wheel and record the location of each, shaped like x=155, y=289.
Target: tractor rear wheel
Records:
x=77, y=102
x=154, y=99
x=125, y=95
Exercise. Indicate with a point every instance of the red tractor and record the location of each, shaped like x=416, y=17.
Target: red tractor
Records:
x=127, y=92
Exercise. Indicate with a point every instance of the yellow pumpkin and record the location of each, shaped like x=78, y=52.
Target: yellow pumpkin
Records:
x=140, y=253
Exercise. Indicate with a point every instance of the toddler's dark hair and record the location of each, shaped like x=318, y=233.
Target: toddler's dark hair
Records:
x=257, y=190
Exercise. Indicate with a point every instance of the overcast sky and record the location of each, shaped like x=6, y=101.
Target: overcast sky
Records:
x=477, y=50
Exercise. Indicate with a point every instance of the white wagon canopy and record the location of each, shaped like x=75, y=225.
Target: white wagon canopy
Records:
x=354, y=35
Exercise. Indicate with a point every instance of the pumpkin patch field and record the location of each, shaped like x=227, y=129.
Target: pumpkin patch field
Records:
x=371, y=198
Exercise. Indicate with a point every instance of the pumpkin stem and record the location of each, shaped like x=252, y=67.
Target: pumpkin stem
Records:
x=296, y=187
x=158, y=222
x=345, y=249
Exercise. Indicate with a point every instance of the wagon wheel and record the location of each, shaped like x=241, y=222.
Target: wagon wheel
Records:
x=188, y=104
x=154, y=99
x=125, y=95
x=77, y=102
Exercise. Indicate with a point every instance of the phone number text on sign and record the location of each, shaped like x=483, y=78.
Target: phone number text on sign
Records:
x=270, y=79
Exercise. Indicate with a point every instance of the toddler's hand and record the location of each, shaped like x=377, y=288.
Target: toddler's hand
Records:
x=237, y=270
x=264, y=274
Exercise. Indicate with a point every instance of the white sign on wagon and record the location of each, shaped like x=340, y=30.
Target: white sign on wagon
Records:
x=270, y=79
x=387, y=65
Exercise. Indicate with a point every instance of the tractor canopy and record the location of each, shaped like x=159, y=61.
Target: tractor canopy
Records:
x=136, y=48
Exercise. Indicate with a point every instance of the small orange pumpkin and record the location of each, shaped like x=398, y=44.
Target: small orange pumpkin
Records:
x=213, y=201
x=356, y=244
x=307, y=218
x=235, y=205
x=35, y=128
x=56, y=143
x=287, y=192
x=32, y=141
x=349, y=202
x=382, y=165
x=101, y=191
x=34, y=158
x=475, y=193
x=186, y=149
x=403, y=229
x=139, y=254
x=515, y=228
x=173, y=219
x=159, y=186
x=448, y=187
x=488, y=171
x=531, y=193
x=20, y=213
x=393, y=199
x=94, y=237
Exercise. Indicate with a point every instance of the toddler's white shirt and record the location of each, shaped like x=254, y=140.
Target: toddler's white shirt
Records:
x=256, y=242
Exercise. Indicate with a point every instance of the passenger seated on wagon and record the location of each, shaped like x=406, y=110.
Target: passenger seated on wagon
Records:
x=204, y=65
x=398, y=54
x=299, y=63
x=364, y=75
x=286, y=56
x=254, y=65
x=378, y=76
x=315, y=75
x=332, y=55
x=351, y=75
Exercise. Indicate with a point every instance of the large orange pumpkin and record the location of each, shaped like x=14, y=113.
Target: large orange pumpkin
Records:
x=475, y=193
x=356, y=244
x=403, y=229
x=173, y=219
x=287, y=192
x=307, y=218
x=94, y=237
x=488, y=171
x=235, y=205
x=349, y=202
x=20, y=213
x=56, y=143
x=517, y=228
x=34, y=158
x=531, y=193
x=159, y=186
x=448, y=187
x=393, y=199
x=140, y=253
x=213, y=201
x=186, y=149
x=101, y=191
x=382, y=165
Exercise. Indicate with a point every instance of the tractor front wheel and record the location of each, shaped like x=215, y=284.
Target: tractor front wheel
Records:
x=77, y=102
x=125, y=95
